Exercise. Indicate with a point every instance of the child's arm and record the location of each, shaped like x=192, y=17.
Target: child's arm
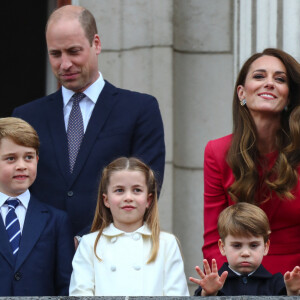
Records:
x=174, y=283
x=210, y=282
x=83, y=276
x=292, y=282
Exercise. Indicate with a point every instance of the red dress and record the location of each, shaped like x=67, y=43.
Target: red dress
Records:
x=284, y=215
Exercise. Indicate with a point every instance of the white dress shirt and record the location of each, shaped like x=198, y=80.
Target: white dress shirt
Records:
x=87, y=104
x=123, y=269
x=20, y=210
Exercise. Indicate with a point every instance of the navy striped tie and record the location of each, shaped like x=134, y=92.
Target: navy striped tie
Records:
x=75, y=129
x=12, y=225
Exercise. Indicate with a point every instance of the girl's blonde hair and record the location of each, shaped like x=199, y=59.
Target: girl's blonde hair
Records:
x=103, y=216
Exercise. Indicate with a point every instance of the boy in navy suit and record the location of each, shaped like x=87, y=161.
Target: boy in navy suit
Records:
x=36, y=248
x=244, y=239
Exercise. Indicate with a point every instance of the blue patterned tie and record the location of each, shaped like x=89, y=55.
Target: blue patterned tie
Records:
x=75, y=129
x=12, y=225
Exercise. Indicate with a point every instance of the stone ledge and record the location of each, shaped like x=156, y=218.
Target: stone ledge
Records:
x=159, y=298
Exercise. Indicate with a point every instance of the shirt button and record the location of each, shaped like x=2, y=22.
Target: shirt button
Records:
x=113, y=268
x=70, y=193
x=136, y=237
x=245, y=280
x=136, y=267
x=113, y=239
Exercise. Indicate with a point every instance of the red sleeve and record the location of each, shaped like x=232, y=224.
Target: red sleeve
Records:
x=215, y=197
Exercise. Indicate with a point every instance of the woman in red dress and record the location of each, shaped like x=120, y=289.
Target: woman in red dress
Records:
x=259, y=163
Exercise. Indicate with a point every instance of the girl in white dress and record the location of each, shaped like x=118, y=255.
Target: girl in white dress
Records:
x=126, y=254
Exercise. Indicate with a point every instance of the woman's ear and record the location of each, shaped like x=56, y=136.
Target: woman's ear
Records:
x=241, y=92
x=105, y=200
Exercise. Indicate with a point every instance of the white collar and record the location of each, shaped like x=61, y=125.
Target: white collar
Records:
x=92, y=92
x=111, y=230
x=24, y=198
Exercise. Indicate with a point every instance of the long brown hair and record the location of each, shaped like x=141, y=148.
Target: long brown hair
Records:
x=103, y=216
x=243, y=154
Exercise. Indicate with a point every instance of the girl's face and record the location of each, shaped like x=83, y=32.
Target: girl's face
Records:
x=266, y=87
x=127, y=198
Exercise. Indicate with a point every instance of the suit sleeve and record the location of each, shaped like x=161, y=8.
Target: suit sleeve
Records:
x=174, y=279
x=83, y=275
x=148, y=141
x=64, y=255
x=214, y=202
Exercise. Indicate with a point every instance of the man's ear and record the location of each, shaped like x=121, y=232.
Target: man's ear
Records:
x=149, y=200
x=221, y=247
x=105, y=200
x=267, y=247
x=97, y=44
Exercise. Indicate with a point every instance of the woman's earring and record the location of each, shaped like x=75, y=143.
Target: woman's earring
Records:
x=243, y=102
x=286, y=108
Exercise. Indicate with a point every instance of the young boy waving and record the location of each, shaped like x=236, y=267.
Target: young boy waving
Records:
x=244, y=239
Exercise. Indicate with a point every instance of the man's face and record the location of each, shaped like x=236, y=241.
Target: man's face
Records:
x=73, y=60
x=244, y=254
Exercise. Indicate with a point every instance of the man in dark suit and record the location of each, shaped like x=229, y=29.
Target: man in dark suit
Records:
x=115, y=122
x=36, y=247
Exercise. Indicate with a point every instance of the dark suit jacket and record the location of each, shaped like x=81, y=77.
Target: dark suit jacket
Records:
x=260, y=283
x=123, y=123
x=44, y=263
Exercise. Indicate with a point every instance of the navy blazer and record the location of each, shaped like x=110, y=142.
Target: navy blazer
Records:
x=260, y=283
x=123, y=123
x=43, y=266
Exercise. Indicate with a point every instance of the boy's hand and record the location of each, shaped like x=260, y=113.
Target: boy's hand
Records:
x=210, y=282
x=292, y=282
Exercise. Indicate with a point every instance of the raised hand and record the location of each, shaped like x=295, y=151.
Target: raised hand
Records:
x=210, y=281
x=292, y=282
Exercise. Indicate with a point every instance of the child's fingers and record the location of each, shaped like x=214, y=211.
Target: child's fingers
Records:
x=214, y=266
x=200, y=272
x=287, y=276
x=206, y=267
x=195, y=280
x=223, y=277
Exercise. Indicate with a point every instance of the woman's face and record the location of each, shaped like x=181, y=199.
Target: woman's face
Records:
x=266, y=87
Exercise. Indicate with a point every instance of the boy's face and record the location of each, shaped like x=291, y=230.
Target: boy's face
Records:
x=18, y=166
x=244, y=254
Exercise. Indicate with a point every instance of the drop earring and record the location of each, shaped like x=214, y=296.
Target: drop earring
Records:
x=243, y=102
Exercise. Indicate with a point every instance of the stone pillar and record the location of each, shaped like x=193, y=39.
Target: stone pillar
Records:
x=203, y=81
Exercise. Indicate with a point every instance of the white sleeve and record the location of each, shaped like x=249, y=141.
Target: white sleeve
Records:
x=175, y=283
x=83, y=276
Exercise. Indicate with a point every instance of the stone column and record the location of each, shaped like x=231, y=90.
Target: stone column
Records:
x=203, y=81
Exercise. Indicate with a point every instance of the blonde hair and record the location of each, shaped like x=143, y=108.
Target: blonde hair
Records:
x=103, y=216
x=20, y=132
x=243, y=219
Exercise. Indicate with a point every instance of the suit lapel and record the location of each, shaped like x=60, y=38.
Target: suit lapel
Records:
x=37, y=216
x=5, y=248
x=55, y=118
x=100, y=114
